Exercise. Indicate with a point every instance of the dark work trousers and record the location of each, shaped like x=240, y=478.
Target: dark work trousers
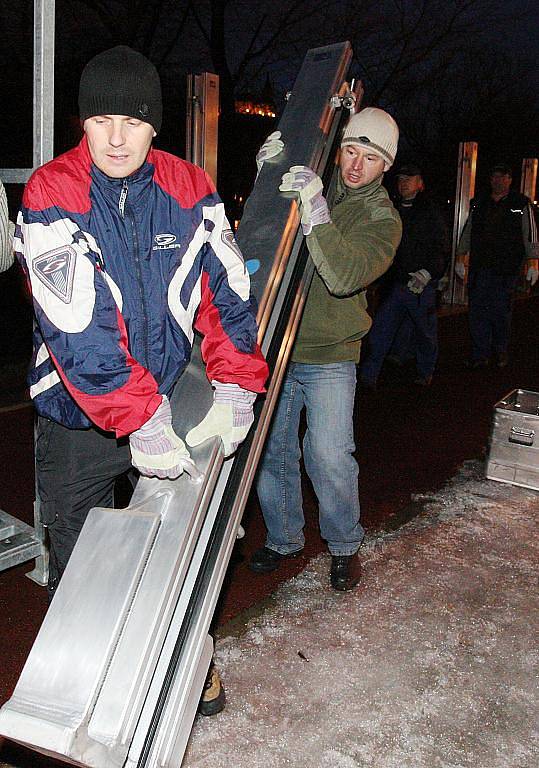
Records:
x=490, y=300
x=402, y=305
x=76, y=470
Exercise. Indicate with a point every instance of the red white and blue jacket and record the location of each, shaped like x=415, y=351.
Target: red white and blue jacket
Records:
x=121, y=271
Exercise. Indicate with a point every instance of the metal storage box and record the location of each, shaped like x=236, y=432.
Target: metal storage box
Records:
x=514, y=440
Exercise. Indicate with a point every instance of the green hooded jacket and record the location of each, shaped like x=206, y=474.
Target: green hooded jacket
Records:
x=349, y=254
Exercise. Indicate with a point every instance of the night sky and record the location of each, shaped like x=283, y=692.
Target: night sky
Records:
x=477, y=80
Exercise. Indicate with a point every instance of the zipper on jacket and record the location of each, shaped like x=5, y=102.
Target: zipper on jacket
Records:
x=123, y=199
x=126, y=212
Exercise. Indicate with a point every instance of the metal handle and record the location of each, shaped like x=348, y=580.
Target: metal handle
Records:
x=522, y=436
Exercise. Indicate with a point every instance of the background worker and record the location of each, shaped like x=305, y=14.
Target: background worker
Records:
x=412, y=281
x=116, y=304
x=499, y=235
x=352, y=241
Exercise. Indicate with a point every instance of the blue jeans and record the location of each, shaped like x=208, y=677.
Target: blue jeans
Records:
x=402, y=305
x=490, y=299
x=327, y=392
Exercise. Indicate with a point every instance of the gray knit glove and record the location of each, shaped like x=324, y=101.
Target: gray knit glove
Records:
x=229, y=418
x=156, y=450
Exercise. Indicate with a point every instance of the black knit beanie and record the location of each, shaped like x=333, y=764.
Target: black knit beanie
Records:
x=121, y=81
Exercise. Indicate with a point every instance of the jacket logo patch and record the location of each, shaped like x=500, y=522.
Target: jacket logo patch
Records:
x=56, y=270
x=165, y=241
x=227, y=236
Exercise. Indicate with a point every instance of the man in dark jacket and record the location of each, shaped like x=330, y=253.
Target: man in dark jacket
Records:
x=500, y=234
x=420, y=262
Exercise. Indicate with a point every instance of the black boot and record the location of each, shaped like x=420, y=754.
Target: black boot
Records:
x=265, y=560
x=213, y=698
x=345, y=572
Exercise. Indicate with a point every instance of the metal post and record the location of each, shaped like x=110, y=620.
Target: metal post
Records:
x=44, y=17
x=457, y=293
x=202, y=122
x=20, y=542
x=43, y=144
x=528, y=177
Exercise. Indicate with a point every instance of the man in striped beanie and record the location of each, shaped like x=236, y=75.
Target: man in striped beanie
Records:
x=352, y=237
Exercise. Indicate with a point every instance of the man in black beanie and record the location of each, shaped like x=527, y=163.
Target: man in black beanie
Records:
x=127, y=249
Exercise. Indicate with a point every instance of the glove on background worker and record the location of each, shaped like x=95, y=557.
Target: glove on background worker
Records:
x=531, y=275
x=419, y=280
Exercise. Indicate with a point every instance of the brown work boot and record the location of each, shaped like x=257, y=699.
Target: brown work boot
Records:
x=213, y=697
x=345, y=572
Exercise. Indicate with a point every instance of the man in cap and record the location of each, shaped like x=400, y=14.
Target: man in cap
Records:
x=352, y=241
x=127, y=249
x=498, y=237
x=420, y=262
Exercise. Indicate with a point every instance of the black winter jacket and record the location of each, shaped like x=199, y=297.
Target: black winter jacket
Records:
x=496, y=234
x=425, y=239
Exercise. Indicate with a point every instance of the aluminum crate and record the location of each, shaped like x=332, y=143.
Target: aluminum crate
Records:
x=514, y=440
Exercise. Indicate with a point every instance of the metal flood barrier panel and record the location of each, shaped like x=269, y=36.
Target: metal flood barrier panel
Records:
x=117, y=669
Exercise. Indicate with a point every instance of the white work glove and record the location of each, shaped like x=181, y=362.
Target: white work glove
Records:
x=418, y=281
x=531, y=275
x=443, y=282
x=314, y=208
x=460, y=270
x=7, y=230
x=229, y=418
x=270, y=148
x=156, y=450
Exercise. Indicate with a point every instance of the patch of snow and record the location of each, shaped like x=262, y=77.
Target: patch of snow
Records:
x=430, y=663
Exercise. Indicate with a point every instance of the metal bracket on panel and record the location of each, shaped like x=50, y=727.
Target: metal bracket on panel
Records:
x=19, y=543
x=348, y=97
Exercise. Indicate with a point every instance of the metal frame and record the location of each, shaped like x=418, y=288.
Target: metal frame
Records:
x=457, y=290
x=43, y=140
x=202, y=122
x=528, y=177
x=20, y=542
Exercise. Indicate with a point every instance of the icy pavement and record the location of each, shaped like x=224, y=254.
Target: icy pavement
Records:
x=431, y=663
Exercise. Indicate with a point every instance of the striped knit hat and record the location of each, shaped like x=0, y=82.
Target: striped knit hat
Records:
x=375, y=129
